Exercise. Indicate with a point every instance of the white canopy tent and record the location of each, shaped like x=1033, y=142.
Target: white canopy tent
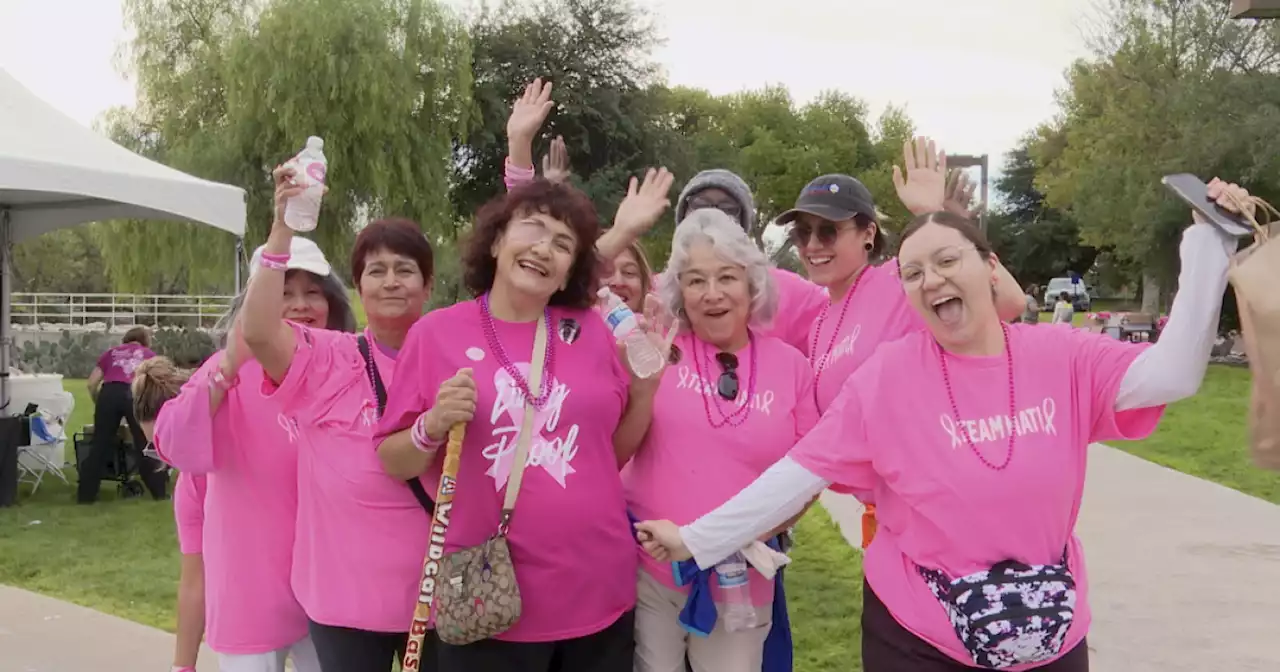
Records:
x=56, y=173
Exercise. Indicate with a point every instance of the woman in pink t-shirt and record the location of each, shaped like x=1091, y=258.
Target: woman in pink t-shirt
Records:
x=531, y=264
x=733, y=402
x=360, y=536
x=156, y=381
x=975, y=451
x=835, y=230
x=220, y=425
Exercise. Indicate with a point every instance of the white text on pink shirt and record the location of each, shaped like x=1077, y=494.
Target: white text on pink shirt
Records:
x=554, y=454
x=690, y=380
x=1030, y=420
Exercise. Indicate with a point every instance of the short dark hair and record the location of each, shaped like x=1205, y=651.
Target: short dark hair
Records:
x=965, y=226
x=394, y=234
x=558, y=200
x=1065, y=295
x=139, y=335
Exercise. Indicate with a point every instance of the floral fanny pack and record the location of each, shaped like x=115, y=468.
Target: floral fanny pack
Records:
x=1012, y=614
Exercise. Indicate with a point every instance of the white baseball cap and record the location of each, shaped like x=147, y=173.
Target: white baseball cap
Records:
x=304, y=255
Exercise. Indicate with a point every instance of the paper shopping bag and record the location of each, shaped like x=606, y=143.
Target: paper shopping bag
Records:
x=1255, y=276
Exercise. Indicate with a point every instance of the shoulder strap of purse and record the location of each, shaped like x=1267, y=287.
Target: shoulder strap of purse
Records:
x=526, y=427
x=380, y=390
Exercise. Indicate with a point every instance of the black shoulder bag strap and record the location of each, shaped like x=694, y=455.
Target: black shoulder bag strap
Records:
x=415, y=484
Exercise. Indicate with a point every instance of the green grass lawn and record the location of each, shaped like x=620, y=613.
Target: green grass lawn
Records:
x=121, y=557
x=1207, y=436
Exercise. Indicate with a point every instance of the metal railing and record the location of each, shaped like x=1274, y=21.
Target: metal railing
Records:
x=117, y=310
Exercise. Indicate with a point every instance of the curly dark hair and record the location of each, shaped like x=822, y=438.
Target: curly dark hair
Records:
x=560, y=201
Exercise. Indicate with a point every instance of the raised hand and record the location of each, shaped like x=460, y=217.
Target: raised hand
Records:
x=661, y=540
x=530, y=111
x=1232, y=197
x=286, y=188
x=645, y=202
x=555, y=163
x=921, y=181
x=959, y=195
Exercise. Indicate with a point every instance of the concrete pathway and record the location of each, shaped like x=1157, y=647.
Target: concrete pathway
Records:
x=41, y=634
x=1184, y=574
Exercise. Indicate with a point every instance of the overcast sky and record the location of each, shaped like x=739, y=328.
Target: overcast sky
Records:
x=975, y=74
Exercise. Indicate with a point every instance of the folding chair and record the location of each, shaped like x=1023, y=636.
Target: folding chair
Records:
x=45, y=453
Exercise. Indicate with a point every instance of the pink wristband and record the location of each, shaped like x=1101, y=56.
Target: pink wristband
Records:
x=182, y=669
x=418, y=434
x=219, y=380
x=274, y=262
x=517, y=171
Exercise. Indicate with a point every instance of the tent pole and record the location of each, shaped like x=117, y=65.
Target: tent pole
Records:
x=6, y=298
x=239, y=254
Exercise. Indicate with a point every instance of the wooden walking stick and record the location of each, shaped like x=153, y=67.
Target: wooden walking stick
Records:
x=435, y=549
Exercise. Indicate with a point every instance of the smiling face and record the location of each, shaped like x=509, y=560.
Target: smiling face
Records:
x=717, y=298
x=304, y=300
x=627, y=280
x=535, y=255
x=951, y=285
x=392, y=288
x=830, y=251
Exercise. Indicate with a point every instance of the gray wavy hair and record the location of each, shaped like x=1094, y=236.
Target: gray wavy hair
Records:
x=732, y=244
x=341, y=317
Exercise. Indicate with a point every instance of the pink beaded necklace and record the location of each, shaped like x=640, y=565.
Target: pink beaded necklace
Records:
x=955, y=410
x=734, y=418
x=814, y=357
x=495, y=346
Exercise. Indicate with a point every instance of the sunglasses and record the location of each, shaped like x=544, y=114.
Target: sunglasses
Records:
x=727, y=207
x=727, y=386
x=827, y=232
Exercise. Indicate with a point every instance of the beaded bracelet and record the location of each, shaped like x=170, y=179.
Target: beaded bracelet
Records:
x=421, y=441
x=275, y=262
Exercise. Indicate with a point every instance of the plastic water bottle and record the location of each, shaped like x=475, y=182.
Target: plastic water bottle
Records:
x=735, y=593
x=303, y=211
x=643, y=356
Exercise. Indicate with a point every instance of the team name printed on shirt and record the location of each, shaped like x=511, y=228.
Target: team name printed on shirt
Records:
x=554, y=454
x=690, y=380
x=1030, y=420
x=840, y=350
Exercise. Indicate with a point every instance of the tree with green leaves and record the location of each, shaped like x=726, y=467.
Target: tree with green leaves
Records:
x=1175, y=86
x=596, y=54
x=1035, y=242
x=228, y=89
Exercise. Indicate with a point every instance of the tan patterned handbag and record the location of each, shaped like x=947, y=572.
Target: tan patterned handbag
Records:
x=478, y=596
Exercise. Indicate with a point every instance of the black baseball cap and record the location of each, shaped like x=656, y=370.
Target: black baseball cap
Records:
x=834, y=198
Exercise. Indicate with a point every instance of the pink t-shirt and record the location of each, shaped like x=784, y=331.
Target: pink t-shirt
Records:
x=686, y=467
x=571, y=541
x=249, y=451
x=188, y=512
x=875, y=312
x=119, y=363
x=892, y=430
x=800, y=302
x=361, y=535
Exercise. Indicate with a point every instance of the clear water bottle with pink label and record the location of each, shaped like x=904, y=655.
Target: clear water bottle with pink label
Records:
x=303, y=211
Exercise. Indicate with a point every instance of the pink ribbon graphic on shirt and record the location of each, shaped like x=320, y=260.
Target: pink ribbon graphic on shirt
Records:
x=554, y=455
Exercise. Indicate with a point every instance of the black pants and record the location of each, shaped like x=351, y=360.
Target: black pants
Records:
x=349, y=650
x=889, y=647
x=115, y=401
x=610, y=650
